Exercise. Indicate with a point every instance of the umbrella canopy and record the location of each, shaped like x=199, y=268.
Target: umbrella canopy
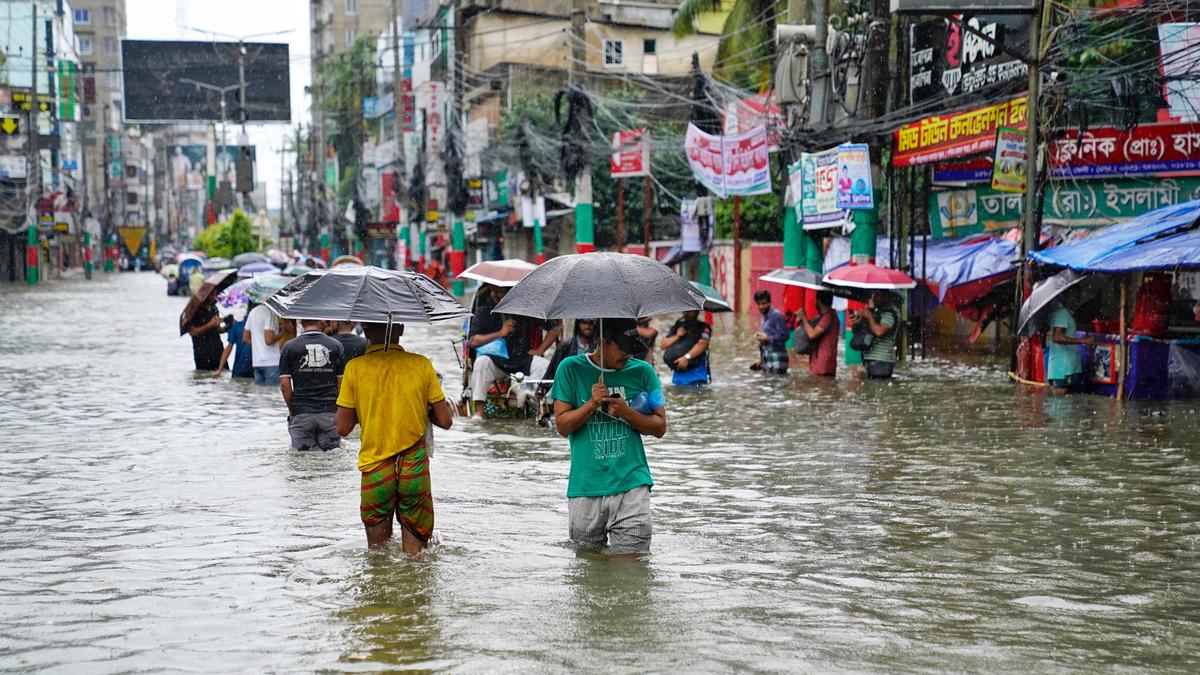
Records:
x=243, y=259
x=600, y=285
x=266, y=285
x=235, y=296
x=347, y=261
x=367, y=294
x=189, y=254
x=795, y=276
x=1047, y=291
x=297, y=270
x=505, y=273
x=278, y=257
x=215, y=283
x=256, y=268
x=869, y=277
x=216, y=264
x=713, y=300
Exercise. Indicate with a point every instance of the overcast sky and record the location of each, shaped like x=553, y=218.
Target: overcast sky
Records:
x=158, y=20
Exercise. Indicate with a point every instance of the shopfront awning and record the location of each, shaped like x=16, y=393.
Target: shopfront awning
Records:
x=1163, y=239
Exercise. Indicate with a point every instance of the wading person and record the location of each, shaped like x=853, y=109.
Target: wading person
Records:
x=1064, y=368
x=205, y=330
x=879, y=319
x=393, y=394
x=608, y=491
x=488, y=326
x=310, y=373
x=685, y=350
x=825, y=330
x=263, y=334
x=772, y=338
x=353, y=346
x=241, y=366
x=580, y=342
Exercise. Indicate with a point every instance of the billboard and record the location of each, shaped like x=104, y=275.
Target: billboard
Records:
x=160, y=76
x=964, y=6
x=188, y=164
x=947, y=59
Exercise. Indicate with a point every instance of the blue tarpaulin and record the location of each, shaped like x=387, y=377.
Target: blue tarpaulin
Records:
x=951, y=262
x=1163, y=239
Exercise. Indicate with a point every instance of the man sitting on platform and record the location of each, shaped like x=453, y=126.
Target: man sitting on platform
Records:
x=514, y=332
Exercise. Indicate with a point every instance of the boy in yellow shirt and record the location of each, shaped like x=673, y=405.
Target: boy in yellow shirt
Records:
x=393, y=394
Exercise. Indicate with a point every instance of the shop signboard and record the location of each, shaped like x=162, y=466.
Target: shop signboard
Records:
x=631, y=154
x=1146, y=149
x=957, y=134
x=13, y=166
x=1008, y=164
x=947, y=59
x=1179, y=42
x=730, y=165
x=1068, y=203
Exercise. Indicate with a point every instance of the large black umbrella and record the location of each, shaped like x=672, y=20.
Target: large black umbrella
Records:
x=601, y=285
x=369, y=294
x=1047, y=291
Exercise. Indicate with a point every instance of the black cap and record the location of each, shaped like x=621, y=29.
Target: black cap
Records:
x=624, y=334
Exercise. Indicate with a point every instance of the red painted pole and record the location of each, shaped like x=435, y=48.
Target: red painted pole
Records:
x=620, y=216
x=737, y=254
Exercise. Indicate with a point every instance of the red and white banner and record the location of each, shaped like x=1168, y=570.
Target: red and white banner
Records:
x=730, y=165
x=631, y=154
x=1146, y=149
x=753, y=111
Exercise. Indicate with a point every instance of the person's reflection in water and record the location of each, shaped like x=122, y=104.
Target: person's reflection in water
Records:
x=614, y=604
x=390, y=620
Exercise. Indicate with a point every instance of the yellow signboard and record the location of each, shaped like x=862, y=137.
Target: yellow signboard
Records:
x=132, y=236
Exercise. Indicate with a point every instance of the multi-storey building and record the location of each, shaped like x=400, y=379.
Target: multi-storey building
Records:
x=99, y=26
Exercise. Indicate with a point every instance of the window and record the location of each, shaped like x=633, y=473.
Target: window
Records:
x=614, y=53
x=649, y=46
x=110, y=46
x=113, y=78
x=86, y=46
x=83, y=16
x=351, y=35
x=110, y=16
x=352, y=6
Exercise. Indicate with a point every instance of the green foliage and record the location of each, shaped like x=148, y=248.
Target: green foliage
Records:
x=228, y=239
x=761, y=218
x=348, y=77
x=747, y=37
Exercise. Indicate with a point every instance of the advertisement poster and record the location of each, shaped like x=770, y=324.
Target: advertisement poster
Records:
x=631, y=154
x=949, y=57
x=730, y=165
x=797, y=187
x=1179, y=42
x=1008, y=163
x=854, y=177
x=704, y=156
x=818, y=191
x=689, y=226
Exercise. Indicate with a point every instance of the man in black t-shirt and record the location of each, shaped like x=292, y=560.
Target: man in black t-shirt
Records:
x=353, y=346
x=310, y=375
x=523, y=357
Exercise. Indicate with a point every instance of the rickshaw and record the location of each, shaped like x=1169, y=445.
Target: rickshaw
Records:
x=514, y=396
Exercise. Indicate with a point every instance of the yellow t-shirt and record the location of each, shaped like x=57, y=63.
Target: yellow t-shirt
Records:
x=391, y=392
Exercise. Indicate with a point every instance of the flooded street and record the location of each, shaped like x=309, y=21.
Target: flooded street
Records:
x=154, y=519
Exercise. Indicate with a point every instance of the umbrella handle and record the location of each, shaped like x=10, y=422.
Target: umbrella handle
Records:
x=601, y=350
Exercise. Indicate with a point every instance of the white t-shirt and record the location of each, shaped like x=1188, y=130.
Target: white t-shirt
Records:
x=260, y=319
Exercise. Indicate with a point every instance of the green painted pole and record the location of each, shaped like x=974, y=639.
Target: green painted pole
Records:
x=31, y=256
x=537, y=242
x=793, y=254
x=458, y=239
x=862, y=251
x=88, y=266
x=585, y=235
x=402, y=263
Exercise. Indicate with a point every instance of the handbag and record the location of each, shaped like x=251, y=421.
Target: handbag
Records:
x=497, y=349
x=862, y=337
x=801, y=343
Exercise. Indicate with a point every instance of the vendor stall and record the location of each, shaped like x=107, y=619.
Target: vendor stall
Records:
x=1148, y=340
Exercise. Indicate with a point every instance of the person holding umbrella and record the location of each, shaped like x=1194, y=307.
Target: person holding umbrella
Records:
x=825, y=330
x=1064, y=368
x=604, y=402
x=879, y=319
x=205, y=329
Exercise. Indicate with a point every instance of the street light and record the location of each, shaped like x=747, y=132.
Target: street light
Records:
x=221, y=92
x=241, y=41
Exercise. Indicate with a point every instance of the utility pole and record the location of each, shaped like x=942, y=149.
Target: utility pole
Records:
x=400, y=182
x=585, y=230
x=34, y=171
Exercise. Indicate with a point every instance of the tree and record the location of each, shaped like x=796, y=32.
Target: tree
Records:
x=747, y=43
x=228, y=239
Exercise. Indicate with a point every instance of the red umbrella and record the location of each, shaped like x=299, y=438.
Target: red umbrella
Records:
x=870, y=277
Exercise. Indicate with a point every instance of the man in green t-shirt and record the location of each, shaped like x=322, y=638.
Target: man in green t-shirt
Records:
x=608, y=492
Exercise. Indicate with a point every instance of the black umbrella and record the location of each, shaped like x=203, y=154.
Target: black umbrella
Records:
x=601, y=285
x=1047, y=291
x=369, y=294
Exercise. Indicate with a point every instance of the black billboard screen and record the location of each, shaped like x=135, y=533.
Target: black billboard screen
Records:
x=160, y=81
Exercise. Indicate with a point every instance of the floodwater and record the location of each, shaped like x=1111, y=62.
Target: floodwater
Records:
x=152, y=519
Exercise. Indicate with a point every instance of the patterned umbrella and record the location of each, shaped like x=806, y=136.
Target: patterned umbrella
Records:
x=266, y=285
x=255, y=269
x=235, y=296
